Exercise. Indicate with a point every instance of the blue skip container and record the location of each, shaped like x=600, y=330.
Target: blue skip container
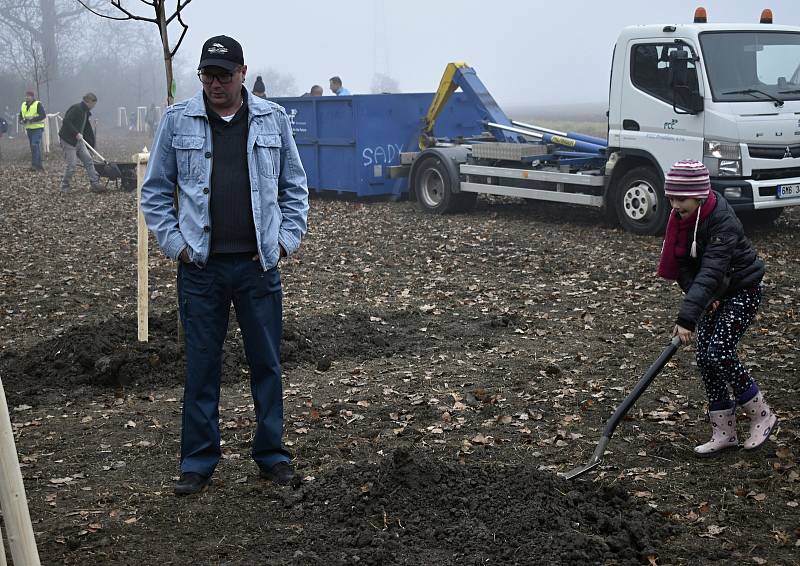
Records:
x=347, y=143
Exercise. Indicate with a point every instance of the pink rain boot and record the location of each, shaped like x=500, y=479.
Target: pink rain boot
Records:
x=723, y=433
x=762, y=421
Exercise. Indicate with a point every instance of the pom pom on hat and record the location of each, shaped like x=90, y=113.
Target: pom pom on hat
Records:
x=687, y=179
x=259, y=85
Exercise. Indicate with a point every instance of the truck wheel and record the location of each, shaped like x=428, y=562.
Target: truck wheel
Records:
x=433, y=187
x=640, y=203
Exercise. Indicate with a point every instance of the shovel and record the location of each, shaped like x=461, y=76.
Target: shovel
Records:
x=112, y=171
x=623, y=408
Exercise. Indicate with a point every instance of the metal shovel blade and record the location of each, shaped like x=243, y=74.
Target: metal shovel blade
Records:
x=594, y=461
x=623, y=408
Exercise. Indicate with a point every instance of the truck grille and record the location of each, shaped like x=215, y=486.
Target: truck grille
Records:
x=774, y=151
x=770, y=174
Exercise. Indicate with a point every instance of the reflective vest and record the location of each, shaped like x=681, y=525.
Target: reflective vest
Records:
x=32, y=111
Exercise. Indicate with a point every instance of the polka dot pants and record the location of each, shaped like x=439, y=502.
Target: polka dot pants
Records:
x=718, y=334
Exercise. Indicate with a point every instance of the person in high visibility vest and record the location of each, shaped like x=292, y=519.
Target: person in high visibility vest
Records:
x=32, y=116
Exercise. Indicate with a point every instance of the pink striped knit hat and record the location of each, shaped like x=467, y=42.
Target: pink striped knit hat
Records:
x=688, y=179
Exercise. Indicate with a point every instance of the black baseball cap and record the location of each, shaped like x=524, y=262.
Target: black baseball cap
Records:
x=221, y=51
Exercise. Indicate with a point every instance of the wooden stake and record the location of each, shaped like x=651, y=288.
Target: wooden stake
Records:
x=142, y=297
x=2, y=550
x=12, y=495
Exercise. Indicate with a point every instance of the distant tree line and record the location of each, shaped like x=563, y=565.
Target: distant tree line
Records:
x=61, y=50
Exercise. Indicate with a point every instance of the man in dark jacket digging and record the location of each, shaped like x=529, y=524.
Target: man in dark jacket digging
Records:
x=75, y=130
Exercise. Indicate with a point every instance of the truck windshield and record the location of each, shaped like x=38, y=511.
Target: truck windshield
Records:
x=748, y=66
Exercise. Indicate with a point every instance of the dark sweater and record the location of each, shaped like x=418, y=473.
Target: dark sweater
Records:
x=726, y=262
x=76, y=121
x=232, y=227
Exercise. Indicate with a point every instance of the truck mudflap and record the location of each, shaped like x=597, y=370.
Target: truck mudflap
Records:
x=749, y=194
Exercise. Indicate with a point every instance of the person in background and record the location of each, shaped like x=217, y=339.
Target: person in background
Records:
x=3, y=130
x=32, y=116
x=706, y=252
x=243, y=206
x=150, y=118
x=259, y=89
x=75, y=130
x=337, y=88
x=10, y=118
x=316, y=90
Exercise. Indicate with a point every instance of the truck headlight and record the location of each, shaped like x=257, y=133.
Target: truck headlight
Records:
x=723, y=159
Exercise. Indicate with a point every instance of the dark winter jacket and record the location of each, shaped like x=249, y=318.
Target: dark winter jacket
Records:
x=726, y=262
x=76, y=121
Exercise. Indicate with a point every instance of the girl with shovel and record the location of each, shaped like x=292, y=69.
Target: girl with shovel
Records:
x=706, y=252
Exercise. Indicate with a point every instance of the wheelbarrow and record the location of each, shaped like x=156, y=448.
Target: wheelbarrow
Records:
x=623, y=408
x=122, y=174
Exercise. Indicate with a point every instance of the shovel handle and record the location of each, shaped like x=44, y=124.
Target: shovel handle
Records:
x=641, y=385
x=94, y=151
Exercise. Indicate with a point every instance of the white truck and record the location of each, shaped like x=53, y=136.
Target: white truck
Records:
x=724, y=94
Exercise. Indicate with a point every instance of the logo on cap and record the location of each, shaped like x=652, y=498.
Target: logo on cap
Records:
x=217, y=48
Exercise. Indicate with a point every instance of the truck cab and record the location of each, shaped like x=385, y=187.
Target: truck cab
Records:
x=724, y=94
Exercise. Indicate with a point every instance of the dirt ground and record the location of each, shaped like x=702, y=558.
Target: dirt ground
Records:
x=438, y=373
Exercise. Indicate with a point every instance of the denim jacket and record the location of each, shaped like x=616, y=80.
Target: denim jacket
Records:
x=181, y=156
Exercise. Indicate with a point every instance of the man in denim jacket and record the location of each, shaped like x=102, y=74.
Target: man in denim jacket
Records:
x=242, y=205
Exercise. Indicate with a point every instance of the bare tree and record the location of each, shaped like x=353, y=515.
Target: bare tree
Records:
x=34, y=28
x=276, y=82
x=384, y=84
x=159, y=18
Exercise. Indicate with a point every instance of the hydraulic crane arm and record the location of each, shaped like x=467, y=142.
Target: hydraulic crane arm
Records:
x=462, y=75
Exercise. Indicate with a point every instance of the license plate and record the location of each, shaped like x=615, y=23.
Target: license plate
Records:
x=789, y=191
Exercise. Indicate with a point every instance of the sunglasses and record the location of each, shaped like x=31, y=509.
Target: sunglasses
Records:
x=208, y=78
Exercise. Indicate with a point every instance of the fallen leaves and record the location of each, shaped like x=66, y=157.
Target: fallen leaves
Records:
x=712, y=531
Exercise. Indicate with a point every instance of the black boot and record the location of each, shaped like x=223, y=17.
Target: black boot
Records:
x=191, y=483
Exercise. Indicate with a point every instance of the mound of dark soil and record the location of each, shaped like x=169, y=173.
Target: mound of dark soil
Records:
x=107, y=353
x=416, y=509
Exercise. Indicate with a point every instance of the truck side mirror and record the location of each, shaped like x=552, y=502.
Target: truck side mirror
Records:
x=684, y=94
x=679, y=67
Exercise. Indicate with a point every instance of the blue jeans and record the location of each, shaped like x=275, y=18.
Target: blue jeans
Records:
x=205, y=296
x=35, y=141
x=72, y=153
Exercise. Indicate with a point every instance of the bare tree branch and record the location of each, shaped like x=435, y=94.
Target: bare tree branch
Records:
x=77, y=11
x=118, y=5
x=8, y=16
x=178, y=8
x=96, y=13
x=183, y=34
x=161, y=20
x=70, y=14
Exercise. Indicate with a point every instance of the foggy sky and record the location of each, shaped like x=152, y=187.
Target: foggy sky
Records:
x=528, y=52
